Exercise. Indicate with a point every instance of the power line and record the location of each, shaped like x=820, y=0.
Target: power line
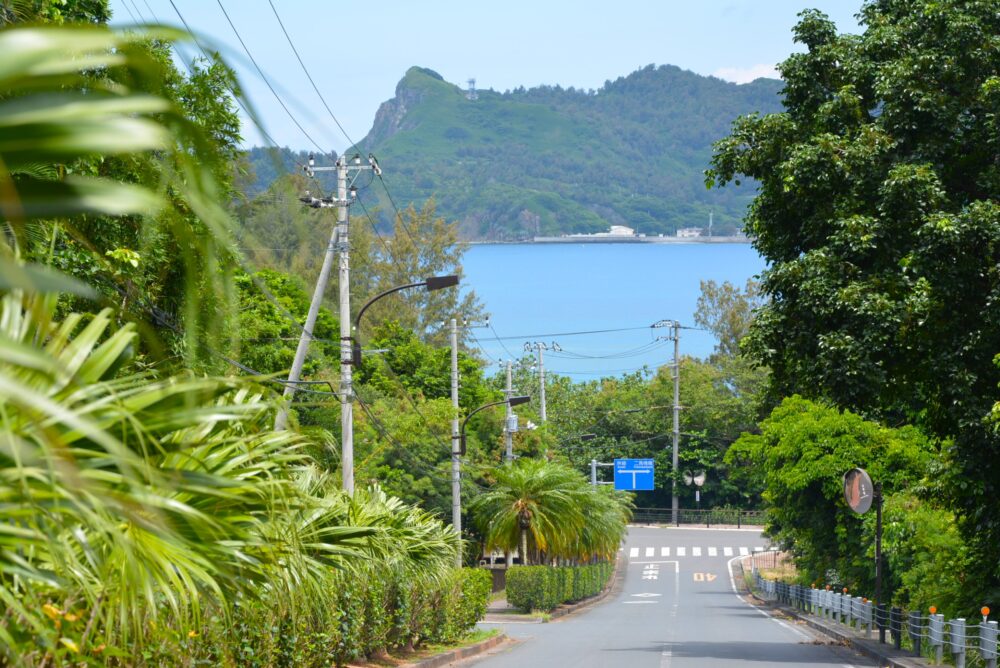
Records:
x=499, y=340
x=579, y=333
x=266, y=80
x=309, y=76
x=204, y=52
x=632, y=352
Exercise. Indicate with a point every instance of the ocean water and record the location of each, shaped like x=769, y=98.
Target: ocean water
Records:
x=572, y=294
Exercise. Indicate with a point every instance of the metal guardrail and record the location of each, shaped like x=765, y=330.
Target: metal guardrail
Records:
x=707, y=517
x=928, y=635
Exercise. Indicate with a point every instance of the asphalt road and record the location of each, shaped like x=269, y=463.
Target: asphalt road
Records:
x=676, y=609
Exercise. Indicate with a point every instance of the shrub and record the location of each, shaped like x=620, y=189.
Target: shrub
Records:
x=543, y=587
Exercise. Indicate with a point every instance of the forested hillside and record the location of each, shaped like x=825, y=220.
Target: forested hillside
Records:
x=550, y=160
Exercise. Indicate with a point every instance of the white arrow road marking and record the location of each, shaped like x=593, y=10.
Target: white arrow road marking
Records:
x=713, y=551
x=727, y=551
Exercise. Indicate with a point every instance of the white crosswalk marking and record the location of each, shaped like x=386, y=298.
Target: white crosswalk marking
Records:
x=727, y=551
x=744, y=552
x=695, y=551
x=664, y=551
x=758, y=549
x=633, y=552
x=713, y=551
x=650, y=551
x=682, y=552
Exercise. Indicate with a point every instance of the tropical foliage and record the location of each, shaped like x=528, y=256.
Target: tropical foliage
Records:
x=549, y=511
x=150, y=515
x=879, y=216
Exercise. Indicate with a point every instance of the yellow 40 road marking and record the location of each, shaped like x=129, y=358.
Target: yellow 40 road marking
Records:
x=704, y=577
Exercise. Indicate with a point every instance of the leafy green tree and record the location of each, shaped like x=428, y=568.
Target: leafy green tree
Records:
x=878, y=216
x=543, y=508
x=802, y=453
x=268, y=334
x=727, y=311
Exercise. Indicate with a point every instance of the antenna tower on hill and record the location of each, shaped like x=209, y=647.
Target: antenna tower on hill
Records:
x=471, y=94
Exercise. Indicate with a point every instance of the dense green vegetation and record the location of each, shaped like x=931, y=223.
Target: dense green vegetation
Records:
x=543, y=588
x=150, y=514
x=879, y=215
x=550, y=161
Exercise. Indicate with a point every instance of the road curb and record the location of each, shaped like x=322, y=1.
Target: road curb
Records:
x=453, y=655
x=886, y=655
x=616, y=582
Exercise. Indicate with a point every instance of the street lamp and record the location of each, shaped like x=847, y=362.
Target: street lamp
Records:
x=512, y=401
x=698, y=479
x=432, y=283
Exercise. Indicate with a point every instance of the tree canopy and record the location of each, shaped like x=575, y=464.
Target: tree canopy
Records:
x=878, y=213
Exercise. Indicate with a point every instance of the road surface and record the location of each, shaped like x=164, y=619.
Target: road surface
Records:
x=677, y=609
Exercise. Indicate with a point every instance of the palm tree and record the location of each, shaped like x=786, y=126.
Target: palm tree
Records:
x=532, y=498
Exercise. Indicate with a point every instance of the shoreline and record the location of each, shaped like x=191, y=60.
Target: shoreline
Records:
x=607, y=240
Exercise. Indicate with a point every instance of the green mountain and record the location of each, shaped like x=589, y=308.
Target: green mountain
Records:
x=550, y=160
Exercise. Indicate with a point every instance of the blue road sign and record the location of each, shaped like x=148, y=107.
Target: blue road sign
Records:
x=634, y=474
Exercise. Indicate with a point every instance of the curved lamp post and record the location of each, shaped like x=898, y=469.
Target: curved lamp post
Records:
x=432, y=283
x=513, y=401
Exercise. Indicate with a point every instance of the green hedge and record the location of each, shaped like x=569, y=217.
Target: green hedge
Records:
x=545, y=587
x=358, y=615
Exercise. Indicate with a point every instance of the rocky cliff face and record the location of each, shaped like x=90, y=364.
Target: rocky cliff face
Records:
x=392, y=115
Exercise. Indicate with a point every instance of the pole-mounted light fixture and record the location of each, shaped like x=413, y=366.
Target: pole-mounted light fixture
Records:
x=432, y=283
x=512, y=401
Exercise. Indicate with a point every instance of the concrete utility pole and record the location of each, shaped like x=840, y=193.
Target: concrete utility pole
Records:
x=538, y=346
x=508, y=433
x=338, y=243
x=456, y=445
x=676, y=367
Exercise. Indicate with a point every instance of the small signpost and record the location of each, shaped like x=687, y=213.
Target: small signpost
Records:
x=634, y=475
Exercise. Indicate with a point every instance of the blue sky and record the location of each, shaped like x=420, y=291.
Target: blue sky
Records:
x=356, y=53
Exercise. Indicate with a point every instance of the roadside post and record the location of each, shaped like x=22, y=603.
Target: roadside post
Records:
x=860, y=494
